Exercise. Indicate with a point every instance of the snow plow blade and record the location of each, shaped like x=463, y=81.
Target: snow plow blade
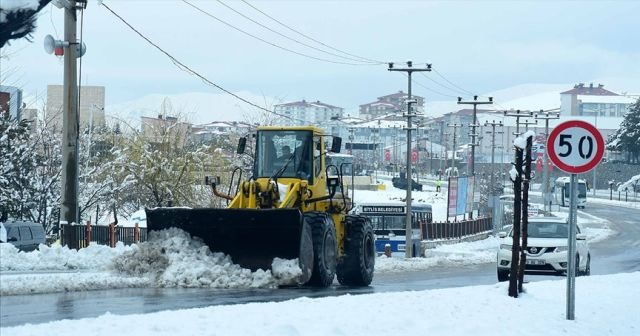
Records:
x=251, y=237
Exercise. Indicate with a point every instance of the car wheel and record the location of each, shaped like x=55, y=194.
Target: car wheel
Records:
x=587, y=270
x=578, y=273
x=503, y=275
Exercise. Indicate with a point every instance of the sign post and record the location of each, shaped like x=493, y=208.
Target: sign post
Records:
x=575, y=147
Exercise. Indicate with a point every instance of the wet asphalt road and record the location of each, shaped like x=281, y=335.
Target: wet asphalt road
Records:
x=619, y=253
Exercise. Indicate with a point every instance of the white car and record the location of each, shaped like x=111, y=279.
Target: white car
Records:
x=547, y=249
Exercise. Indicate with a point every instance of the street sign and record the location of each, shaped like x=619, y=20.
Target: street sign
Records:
x=575, y=146
x=414, y=156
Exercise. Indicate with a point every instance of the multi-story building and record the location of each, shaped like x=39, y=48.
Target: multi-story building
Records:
x=165, y=129
x=593, y=101
x=308, y=113
x=91, y=108
x=206, y=133
x=11, y=101
x=389, y=104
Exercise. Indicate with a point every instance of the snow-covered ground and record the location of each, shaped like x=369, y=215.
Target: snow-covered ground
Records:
x=604, y=305
x=172, y=259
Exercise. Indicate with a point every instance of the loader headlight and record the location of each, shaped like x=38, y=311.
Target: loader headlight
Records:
x=505, y=247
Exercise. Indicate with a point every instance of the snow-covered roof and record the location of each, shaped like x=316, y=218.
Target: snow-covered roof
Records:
x=607, y=99
x=606, y=123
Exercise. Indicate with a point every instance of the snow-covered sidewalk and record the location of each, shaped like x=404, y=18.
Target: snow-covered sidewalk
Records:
x=604, y=305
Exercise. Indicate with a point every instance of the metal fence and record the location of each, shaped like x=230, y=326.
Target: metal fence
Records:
x=79, y=236
x=449, y=230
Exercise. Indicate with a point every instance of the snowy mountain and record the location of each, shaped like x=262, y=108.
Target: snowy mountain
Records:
x=195, y=107
x=203, y=107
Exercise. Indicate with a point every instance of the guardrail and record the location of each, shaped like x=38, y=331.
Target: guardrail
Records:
x=452, y=230
x=79, y=236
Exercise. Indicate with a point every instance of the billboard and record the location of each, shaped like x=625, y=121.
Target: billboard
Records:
x=460, y=195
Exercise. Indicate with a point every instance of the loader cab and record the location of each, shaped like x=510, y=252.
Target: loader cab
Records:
x=286, y=154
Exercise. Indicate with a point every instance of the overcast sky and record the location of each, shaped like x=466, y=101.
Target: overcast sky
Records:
x=481, y=46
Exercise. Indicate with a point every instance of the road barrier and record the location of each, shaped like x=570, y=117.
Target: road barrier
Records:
x=79, y=236
x=457, y=230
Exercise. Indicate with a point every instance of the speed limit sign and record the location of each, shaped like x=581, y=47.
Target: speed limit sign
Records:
x=575, y=146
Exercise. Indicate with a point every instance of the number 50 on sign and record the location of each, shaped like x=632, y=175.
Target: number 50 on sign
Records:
x=575, y=146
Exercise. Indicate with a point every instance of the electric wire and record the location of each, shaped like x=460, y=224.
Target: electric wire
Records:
x=267, y=42
x=187, y=69
x=413, y=80
x=448, y=81
x=309, y=37
x=457, y=91
x=292, y=39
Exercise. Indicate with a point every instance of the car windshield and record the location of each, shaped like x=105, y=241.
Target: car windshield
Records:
x=548, y=230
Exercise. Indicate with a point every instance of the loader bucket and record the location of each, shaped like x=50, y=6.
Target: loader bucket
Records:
x=251, y=237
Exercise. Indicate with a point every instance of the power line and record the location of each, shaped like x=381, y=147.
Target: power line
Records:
x=450, y=82
x=457, y=91
x=309, y=37
x=431, y=90
x=292, y=39
x=265, y=41
x=187, y=69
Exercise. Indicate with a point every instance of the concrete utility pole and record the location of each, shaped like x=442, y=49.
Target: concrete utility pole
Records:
x=546, y=116
x=443, y=156
x=492, y=183
x=430, y=130
x=70, y=119
x=518, y=114
x=453, y=148
x=409, y=70
x=351, y=131
x=473, y=126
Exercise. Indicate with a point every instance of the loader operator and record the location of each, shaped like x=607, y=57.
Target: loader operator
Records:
x=302, y=160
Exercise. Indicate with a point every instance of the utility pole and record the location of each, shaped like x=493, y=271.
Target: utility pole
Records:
x=518, y=114
x=453, y=148
x=443, y=156
x=70, y=119
x=546, y=116
x=351, y=131
x=492, y=183
x=409, y=70
x=430, y=130
x=473, y=126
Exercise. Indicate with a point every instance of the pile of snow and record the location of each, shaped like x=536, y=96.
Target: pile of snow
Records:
x=630, y=184
x=604, y=305
x=59, y=258
x=466, y=253
x=174, y=259
x=170, y=258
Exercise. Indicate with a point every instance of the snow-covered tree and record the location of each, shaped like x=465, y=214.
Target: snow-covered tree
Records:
x=627, y=137
x=18, y=164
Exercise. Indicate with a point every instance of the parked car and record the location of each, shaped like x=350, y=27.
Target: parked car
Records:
x=401, y=183
x=547, y=249
x=26, y=236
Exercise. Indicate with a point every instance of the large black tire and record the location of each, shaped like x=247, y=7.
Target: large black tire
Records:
x=503, y=275
x=355, y=268
x=324, y=249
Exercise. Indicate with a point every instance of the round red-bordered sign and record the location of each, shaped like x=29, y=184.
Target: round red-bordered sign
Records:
x=575, y=146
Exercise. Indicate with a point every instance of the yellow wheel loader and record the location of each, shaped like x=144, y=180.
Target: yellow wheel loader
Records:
x=293, y=207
